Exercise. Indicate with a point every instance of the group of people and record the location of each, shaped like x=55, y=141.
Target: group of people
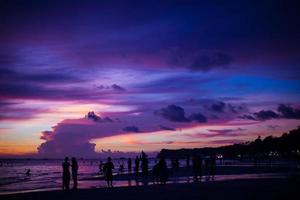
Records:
x=159, y=171
x=67, y=175
x=210, y=167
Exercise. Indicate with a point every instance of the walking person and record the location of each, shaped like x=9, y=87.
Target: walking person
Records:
x=74, y=172
x=66, y=174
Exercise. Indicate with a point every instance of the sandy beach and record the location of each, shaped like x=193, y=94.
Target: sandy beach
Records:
x=235, y=189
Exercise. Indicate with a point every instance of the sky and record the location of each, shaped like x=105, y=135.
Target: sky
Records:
x=85, y=78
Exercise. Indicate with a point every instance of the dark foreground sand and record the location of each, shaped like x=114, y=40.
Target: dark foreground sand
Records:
x=237, y=189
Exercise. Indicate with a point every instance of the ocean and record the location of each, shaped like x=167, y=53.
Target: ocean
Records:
x=46, y=174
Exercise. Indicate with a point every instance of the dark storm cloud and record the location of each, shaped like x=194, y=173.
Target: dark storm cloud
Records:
x=248, y=117
x=176, y=113
x=198, y=117
x=93, y=116
x=133, y=129
x=266, y=114
x=284, y=112
x=118, y=88
x=223, y=107
x=173, y=113
x=288, y=112
x=218, y=107
x=113, y=87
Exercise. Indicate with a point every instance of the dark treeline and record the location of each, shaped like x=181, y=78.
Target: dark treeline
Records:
x=285, y=146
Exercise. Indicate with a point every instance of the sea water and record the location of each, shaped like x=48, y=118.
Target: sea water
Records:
x=46, y=174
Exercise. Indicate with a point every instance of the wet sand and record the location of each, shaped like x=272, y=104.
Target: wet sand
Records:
x=277, y=188
x=235, y=189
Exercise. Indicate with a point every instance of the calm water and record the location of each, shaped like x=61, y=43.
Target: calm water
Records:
x=46, y=174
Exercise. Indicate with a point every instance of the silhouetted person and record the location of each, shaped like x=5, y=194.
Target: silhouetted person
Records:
x=137, y=165
x=207, y=167
x=188, y=161
x=176, y=163
x=197, y=167
x=28, y=172
x=121, y=168
x=107, y=169
x=155, y=173
x=100, y=167
x=163, y=171
x=212, y=167
x=129, y=165
x=173, y=164
x=66, y=174
x=74, y=172
x=144, y=165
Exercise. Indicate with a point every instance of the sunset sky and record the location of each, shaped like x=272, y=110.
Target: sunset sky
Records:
x=83, y=77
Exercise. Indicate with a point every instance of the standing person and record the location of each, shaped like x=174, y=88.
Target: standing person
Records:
x=107, y=169
x=74, y=172
x=137, y=165
x=129, y=164
x=213, y=167
x=100, y=167
x=144, y=165
x=66, y=174
x=155, y=173
x=197, y=167
x=163, y=171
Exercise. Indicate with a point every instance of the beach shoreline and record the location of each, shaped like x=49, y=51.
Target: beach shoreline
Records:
x=273, y=188
x=180, y=175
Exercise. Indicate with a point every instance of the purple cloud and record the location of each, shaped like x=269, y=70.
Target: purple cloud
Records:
x=72, y=137
x=288, y=112
x=265, y=115
x=166, y=128
x=198, y=117
x=133, y=129
x=173, y=113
